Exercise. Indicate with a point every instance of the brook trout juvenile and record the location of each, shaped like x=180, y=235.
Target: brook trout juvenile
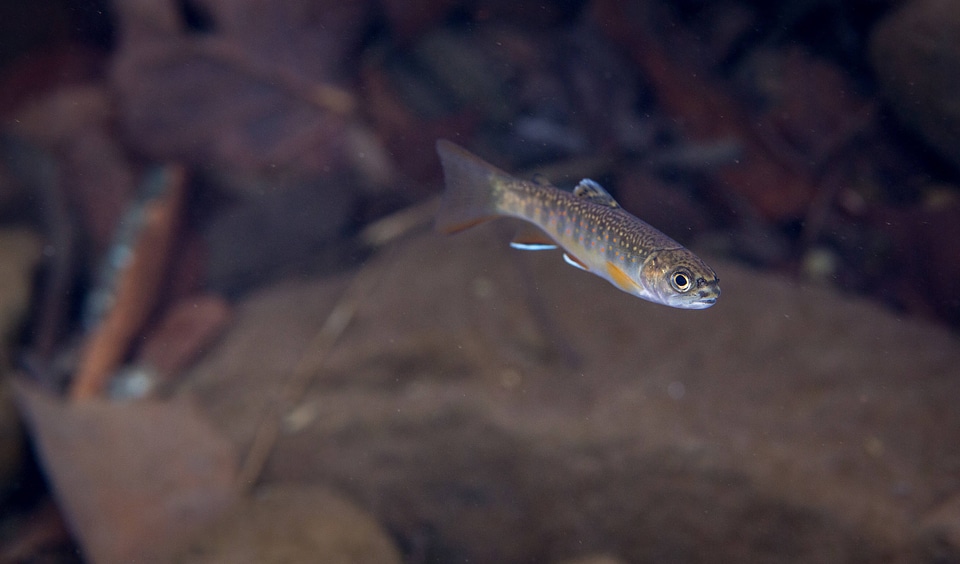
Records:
x=596, y=234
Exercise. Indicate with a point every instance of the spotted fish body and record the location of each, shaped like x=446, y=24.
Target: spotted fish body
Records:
x=596, y=234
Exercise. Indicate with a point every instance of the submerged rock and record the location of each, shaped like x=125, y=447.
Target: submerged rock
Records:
x=19, y=253
x=916, y=54
x=293, y=524
x=495, y=406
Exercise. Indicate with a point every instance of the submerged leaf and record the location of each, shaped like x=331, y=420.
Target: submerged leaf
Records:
x=133, y=479
x=257, y=89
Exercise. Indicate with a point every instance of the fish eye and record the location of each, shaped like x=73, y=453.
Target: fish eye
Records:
x=681, y=281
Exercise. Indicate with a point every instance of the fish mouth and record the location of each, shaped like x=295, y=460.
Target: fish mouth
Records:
x=702, y=303
x=709, y=296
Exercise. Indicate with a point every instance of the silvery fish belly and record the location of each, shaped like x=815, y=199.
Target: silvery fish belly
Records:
x=595, y=233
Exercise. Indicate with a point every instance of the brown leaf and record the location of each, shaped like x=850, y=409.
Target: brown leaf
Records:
x=256, y=91
x=133, y=479
x=76, y=124
x=410, y=18
x=707, y=112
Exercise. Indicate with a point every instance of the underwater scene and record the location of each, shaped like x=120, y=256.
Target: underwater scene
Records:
x=479, y=281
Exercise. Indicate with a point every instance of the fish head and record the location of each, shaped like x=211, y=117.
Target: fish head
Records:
x=678, y=278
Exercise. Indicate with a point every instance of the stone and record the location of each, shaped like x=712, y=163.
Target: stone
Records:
x=293, y=524
x=915, y=53
x=11, y=441
x=488, y=405
x=19, y=254
x=594, y=559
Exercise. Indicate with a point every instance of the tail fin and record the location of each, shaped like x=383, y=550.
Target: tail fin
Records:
x=471, y=188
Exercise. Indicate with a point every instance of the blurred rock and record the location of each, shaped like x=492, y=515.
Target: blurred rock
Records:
x=724, y=26
x=496, y=406
x=38, y=537
x=182, y=333
x=467, y=71
x=75, y=126
x=34, y=75
x=19, y=254
x=809, y=106
x=27, y=26
x=920, y=270
x=257, y=91
x=11, y=439
x=293, y=524
x=915, y=52
x=186, y=329
x=55, y=119
x=12, y=192
x=288, y=222
x=593, y=559
x=687, y=85
x=410, y=18
x=943, y=523
x=669, y=206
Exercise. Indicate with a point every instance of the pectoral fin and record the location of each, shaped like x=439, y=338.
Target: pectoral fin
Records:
x=620, y=278
x=530, y=238
x=532, y=246
x=574, y=261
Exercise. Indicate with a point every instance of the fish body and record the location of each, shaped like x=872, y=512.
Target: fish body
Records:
x=596, y=234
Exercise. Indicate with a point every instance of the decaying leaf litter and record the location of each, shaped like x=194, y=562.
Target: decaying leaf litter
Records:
x=249, y=187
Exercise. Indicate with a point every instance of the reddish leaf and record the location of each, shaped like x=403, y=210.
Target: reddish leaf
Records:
x=707, y=112
x=133, y=479
x=184, y=332
x=254, y=92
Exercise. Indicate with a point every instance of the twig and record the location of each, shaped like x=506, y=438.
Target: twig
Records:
x=299, y=379
x=550, y=330
x=398, y=224
x=377, y=234
x=324, y=96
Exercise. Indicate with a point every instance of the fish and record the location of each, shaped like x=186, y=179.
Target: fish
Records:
x=594, y=232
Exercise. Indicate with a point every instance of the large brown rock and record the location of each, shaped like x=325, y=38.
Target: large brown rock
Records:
x=916, y=54
x=495, y=406
x=293, y=524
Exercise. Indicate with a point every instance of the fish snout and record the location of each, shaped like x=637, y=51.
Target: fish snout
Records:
x=709, y=293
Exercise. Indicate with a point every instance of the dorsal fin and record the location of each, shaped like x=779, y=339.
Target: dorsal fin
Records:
x=541, y=180
x=590, y=190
